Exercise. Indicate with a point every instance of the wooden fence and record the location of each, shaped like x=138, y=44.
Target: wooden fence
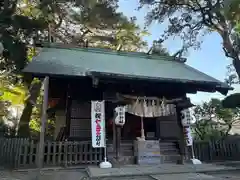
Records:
x=220, y=150
x=22, y=153
x=10, y=149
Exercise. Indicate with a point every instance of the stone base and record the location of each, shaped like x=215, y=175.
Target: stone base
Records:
x=105, y=164
x=190, y=161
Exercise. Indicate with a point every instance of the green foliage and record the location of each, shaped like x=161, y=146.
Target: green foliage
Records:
x=237, y=28
x=15, y=94
x=214, y=121
x=232, y=10
x=126, y=36
x=232, y=101
x=11, y=95
x=35, y=124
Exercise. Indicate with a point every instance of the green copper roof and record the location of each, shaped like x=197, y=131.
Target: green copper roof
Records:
x=87, y=61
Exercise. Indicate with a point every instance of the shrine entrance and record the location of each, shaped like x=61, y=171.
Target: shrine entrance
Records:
x=132, y=128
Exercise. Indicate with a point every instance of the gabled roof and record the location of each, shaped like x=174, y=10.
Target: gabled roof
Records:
x=90, y=61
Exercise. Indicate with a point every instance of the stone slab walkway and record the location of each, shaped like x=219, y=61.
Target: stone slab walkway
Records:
x=96, y=172
x=185, y=176
x=164, y=172
x=73, y=174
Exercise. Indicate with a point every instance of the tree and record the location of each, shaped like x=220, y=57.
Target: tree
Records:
x=190, y=19
x=214, y=121
x=16, y=32
x=126, y=36
x=22, y=22
x=205, y=127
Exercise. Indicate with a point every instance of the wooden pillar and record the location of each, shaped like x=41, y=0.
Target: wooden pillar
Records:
x=43, y=122
x=158, y=128
x=68, y=112
x=184, y=150
x=118, y=142
x=114, y=135
x=142, y=129
x=142, y=124
x=181, y=136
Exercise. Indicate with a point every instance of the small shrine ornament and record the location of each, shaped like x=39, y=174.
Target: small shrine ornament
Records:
x=120, y=115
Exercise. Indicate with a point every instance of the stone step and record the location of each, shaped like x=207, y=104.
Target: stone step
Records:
x=169, y=151
x=122, y=145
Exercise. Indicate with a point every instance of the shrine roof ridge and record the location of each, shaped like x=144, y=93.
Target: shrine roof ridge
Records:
x=112, y=52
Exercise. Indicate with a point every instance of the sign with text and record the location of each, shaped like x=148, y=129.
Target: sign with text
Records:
x=188, y=136
x=98, y=124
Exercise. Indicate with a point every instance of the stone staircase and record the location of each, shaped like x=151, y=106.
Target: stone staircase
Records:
x=169, y=152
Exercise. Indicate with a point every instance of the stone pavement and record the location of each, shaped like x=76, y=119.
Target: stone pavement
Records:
x=164, y=172
x=185, y=176
x=68, y=174
x=95, y=172
x=80, y=175
x=231, y=175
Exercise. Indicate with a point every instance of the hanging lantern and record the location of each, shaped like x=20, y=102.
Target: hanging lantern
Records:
x=120, y=115
x=186, y=117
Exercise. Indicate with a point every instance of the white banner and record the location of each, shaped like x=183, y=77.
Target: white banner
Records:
x=188, y=136
x=98, y=124
x=120, y=115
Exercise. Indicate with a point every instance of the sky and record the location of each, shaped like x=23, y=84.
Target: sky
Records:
x=209, y=59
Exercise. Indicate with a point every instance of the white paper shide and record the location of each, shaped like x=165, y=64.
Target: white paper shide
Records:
x=188, y=136
x=120, y=115
x=98, y=124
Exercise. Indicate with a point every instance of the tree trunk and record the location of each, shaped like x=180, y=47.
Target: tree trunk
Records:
x=34, y=91
x=236, y=64
x=228, y=129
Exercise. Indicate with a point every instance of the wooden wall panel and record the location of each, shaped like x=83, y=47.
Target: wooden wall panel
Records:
x=80, y=126
x=168, y=127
